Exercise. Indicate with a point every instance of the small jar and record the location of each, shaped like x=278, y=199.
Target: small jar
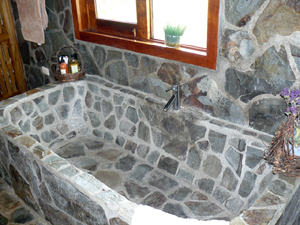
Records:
x=73, y=63
x=64, y=68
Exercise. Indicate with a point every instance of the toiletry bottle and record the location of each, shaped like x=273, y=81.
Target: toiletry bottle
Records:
x=64, y=69
x=74, y=65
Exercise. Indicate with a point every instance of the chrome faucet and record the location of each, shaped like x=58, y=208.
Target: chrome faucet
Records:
x=175, y=99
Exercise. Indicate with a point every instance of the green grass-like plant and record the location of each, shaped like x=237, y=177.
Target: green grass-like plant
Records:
x=174, y=30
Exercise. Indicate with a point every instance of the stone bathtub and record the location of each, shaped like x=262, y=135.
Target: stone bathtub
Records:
x=92, y=152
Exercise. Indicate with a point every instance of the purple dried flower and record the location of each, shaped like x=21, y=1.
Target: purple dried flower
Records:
x=293, y=110
x=294, y=94
x=285, y=92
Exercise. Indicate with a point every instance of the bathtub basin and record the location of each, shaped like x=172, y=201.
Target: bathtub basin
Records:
x=91, y=152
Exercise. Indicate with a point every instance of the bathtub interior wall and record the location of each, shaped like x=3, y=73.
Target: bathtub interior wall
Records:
x=214, y=159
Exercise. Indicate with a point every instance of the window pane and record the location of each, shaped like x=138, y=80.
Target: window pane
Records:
x=117, y=10
x=189, y=13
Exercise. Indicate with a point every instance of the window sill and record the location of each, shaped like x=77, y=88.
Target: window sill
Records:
x=185, y=55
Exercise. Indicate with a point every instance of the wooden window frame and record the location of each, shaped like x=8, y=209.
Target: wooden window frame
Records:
x=88, y=28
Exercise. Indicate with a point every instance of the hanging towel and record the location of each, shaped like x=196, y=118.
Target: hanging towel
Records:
x=34, y=19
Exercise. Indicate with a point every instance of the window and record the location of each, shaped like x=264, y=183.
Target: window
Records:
x=137, y=29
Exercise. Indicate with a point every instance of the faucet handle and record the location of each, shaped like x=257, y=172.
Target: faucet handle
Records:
x=174, y=87
x=169, y=89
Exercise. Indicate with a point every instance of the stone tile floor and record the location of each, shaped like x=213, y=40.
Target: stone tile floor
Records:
x=142, y=177
x=13, y=211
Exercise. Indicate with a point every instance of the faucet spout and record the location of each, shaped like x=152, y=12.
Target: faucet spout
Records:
x=169, y=103
x=175, y=99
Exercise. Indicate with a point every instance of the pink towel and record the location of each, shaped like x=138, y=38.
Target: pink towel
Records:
x=34, y=19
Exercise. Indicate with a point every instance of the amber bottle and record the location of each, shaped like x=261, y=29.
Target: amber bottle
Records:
x=64, y=68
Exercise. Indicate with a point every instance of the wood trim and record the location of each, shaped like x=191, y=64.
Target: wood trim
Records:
x=116, y=28
x=199, y=57
x=15, y=57
x=146, y=47
x=212, y=33
x=143, y=19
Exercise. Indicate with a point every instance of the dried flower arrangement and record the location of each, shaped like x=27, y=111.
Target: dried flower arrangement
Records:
x=284, y=151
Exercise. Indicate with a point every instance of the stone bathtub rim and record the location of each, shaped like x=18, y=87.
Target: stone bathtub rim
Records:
x=87, y=183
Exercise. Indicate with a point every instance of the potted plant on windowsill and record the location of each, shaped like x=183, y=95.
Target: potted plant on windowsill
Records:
x=173, y=34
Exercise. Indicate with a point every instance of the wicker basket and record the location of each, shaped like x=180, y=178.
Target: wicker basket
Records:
x=70, y=76
x=281, y=151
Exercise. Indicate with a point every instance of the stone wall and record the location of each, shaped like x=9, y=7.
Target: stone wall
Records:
x=258, y=56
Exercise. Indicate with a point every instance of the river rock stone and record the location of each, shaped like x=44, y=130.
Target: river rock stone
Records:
x=221, y=195
x=155, y=200
x=203, y=208
x=22, y=188
x=172, y=126
x=267, y=114
x=273, y=66
x=239, y=144
x=268, y=24
x=236, y=10
x=62, y=111
x=95, y=121
x=206, y=185
x=107, y=108
x=132, y=59
x=28, y=107
x=99, y=55
x=213, y=101
x=168, y=164
x=177, y=149
x=132, y=115
x=139, y=81
x=21, y=216
x=247, y=184
x=63, y=191
x=228, y=180
x=110, y=123
x=135, y=190
x=150, y=114
x=185, y=175
x=127, y=128
x=234, y=205
x=194, y=158
x=77, y=110
x=235, y=159
x=162, y=182
x=71, y=150
x=212, y=166
x=68, y=93
x=236, y=46
x=253, y=156
x=278, y=187
x=111, y=178
x=217, y=141
x=144, y=132
x=126, y=163
x=169, y=73
x=196, y=132
x=175, y=209
x=41, y=103
x=117, y=73
x=140, y=172
x=180, y=194
x=113, y=55
x=148, y=66
x=93, y=88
